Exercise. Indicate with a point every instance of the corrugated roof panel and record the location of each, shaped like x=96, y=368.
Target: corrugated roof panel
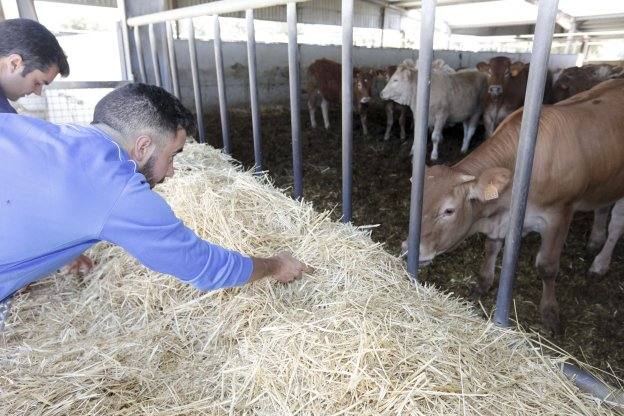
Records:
x=100, y=3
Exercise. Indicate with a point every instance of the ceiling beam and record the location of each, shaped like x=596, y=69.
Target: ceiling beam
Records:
x=563, y=19
x=417, y=4
x=388, y=5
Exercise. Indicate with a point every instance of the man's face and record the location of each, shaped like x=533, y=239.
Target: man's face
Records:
x=15, y=85
x=160, y=164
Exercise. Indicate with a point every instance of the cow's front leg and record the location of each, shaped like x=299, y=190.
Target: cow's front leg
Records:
x=598, y=234
x=389, y=119
x=547, y=264
x=489, y=121
x=363, y=117
x=469, y=130
x=601, y=263
x=312, y=110
x=436, y=136
x=325, y=111
x=402, y=116
x=488, y=269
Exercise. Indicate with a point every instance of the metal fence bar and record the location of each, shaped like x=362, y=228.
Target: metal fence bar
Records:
x=547, y=11
x=196, y=88
x=154, y=55
x=172, y=60
x=347, y=108
x=121, y=6
x=139, y=51
x=225, y=119
x=295, y=99
x=421, y=130
x=253, y=90
x=211, y=8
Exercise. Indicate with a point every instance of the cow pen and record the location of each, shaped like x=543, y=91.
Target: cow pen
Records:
x=537, y=76
x=329, y=169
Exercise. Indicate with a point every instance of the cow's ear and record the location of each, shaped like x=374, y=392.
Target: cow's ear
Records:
x=516, y=67
x=483, y=67
x=490, y=184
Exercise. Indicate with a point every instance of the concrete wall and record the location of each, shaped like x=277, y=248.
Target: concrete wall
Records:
x=272, y=60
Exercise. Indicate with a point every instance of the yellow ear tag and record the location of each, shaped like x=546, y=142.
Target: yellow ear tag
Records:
x=491, y=192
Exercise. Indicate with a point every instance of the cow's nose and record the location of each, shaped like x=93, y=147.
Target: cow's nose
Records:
x=495, y=90
x=365, y=100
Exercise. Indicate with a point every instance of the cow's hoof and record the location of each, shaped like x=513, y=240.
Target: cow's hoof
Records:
x=550, y=319
x=595, y=274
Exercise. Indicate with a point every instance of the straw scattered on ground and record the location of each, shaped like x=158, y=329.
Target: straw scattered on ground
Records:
x=356, y=337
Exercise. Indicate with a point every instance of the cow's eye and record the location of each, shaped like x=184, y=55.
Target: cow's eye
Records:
x=448, y=212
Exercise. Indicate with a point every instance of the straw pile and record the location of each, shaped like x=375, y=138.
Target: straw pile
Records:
x=356, y=337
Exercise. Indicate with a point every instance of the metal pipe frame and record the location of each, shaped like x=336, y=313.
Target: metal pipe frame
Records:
x=253, y=91
x=154, y=55
x=421, y=131
x=172, y=60
x=347, y=108
x=295, y=99
x=225, y=120
x=196, y=87
x=139, y=51
x=213, y=8
x=121, y=6
x=546, y=14
x=588, y=383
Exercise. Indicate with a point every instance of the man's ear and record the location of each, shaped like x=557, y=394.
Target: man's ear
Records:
x=142, y=149
x=490, y=184
x=15, y=62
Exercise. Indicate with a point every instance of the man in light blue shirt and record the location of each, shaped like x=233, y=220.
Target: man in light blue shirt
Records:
x=66, y=187
x=30, y=57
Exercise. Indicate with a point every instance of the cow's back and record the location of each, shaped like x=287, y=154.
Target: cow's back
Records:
x=458, y=94
x=324, y=76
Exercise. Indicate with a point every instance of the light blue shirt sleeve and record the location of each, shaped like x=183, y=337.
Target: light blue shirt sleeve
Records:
x=143, y=224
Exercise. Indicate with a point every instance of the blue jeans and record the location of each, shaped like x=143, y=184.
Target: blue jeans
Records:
x=5, y=307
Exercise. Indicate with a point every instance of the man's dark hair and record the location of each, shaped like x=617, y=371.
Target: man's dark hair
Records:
x=36, y=45
x=136, y=108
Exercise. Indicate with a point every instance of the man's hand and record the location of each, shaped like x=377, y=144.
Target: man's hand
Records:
x=80, y=266
x=283, y=267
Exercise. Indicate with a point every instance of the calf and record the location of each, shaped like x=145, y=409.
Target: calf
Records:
x=454, y=97
x=507, y=84
x=325, y=86
x=577, y=167
x=438, y=65
x=573, y=80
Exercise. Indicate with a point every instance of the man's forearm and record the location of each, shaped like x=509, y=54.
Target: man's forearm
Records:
x=263, y=267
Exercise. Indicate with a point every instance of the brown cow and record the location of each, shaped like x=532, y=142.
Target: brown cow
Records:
x=507, y=84
x=577, y=167
x=573, y=80
x=325, y=86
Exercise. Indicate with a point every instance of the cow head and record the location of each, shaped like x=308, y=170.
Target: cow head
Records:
x=363, y=82
x=400, y=85
x=452, y=203
x=499, y=69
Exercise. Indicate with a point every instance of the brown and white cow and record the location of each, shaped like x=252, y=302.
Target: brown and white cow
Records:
x=577, y=167
x=454, y=97
x=573, y=80
x=507, y=84
x=325, y=87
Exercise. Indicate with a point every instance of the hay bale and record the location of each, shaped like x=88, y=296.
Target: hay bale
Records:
x=354, y=338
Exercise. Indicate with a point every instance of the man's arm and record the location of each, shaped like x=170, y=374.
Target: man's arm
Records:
x=142, y=223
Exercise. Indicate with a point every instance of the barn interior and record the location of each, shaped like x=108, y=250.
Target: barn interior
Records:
x=385, y=32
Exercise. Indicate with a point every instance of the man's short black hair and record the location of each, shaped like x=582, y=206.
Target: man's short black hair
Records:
x=135, y=108
x=36, y=45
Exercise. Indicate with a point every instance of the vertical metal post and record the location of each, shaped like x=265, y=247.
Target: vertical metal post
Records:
x=253, y=90
x=225, y=120
x=295, y=99
x=347, y=108
x=172, y=60
x=26, y=9
x=547, y=11
x=154, y=54
x=421, y=130
x=121, y=6
x=121, y=46
x=570, y=40
x=195, y=76
x=139, y=51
